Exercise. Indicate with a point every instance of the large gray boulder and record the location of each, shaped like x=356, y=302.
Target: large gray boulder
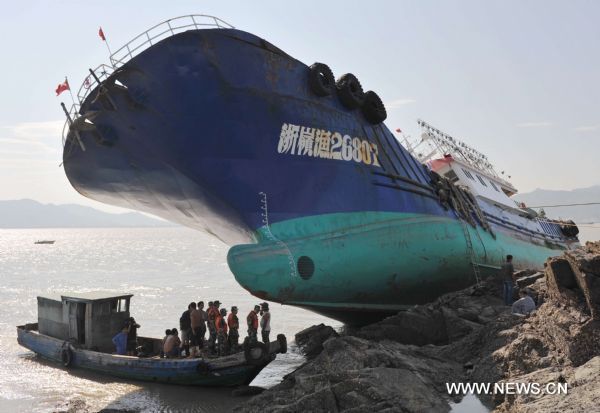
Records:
x=356, y=375
x=311, y=339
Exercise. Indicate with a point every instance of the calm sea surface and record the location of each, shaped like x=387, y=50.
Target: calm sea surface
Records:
x=164, y=268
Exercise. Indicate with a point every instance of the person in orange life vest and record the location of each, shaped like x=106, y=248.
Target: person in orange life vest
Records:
x=234, y=325
x=221, y=326
x=252, y=323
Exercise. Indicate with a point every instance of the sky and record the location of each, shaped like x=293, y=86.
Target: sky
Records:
x=518, y=80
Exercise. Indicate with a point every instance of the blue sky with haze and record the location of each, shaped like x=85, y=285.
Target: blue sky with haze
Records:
x=519, y=80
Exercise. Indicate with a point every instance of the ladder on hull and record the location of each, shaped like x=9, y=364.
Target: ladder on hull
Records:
x=470, y=252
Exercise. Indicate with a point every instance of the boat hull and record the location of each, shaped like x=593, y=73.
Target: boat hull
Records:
x=226, y=371
x=363, y=266
x=210, y=129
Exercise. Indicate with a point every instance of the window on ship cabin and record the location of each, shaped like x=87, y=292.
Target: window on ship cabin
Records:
x=122, y=305
x=494, y=186
x=481, y=180
x=119, y=306
x=468, y=174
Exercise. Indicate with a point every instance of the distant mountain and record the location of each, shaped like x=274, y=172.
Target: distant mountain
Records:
x=26, y=213
x=580, y=214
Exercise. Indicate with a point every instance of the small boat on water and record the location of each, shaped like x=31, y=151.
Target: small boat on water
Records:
x=76, y=330
x=45, y=241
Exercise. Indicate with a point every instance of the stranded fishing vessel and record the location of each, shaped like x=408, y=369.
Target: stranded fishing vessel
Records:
x=219, y=130
x=76, y=330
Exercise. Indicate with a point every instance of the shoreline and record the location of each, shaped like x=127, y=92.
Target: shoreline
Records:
x=405, y=362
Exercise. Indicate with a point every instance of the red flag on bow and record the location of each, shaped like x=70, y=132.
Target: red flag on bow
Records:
x=101, y=34
x=62, y=87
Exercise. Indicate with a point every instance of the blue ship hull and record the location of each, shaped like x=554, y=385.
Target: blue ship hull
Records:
x=218, y=130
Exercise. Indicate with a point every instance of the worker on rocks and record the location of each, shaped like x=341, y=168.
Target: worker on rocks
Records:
x=524, y=305
x=221, y=327
x=234, y=325
x=252, y=323
x=507, y=272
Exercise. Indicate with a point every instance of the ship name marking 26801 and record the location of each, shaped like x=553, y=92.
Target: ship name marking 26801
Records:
x=320, y=143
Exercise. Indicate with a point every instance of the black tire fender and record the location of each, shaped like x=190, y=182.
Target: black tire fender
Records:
x=350, y=91
x=373, y=108
x=321, y=80
x=569, y=229
x=282, y=343
x=256, y=353
x=66, y=356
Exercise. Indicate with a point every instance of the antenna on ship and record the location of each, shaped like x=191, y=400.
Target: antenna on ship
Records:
x=445, y=144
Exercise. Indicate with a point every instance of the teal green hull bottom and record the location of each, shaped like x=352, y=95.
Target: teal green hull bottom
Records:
x=352, y=264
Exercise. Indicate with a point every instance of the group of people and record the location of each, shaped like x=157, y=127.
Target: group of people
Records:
x=525, y=305
x=223, y=330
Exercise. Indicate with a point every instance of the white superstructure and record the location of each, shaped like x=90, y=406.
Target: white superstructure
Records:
x=462, y=165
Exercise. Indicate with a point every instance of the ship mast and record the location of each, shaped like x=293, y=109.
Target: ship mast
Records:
x=442, y=144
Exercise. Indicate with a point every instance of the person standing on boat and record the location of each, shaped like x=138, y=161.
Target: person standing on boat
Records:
x=132, y=327
x=185, y=325
x=265, y=323
x=508, y=280
x=202, y=332
x=208, y=313
x=195, y=322
x=213, y=313
x=164, y=340
x=252, y=322
x=221, y=325
x=234, y=325
x=120, y=341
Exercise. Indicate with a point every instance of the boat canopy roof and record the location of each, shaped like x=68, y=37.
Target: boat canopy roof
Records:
x=92, y=296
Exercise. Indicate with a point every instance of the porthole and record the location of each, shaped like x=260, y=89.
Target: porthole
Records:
x=306, y=267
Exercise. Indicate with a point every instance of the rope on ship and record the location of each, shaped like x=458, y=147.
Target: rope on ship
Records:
x=461, y=201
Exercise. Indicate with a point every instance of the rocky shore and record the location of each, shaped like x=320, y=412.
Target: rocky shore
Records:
x=404, y=363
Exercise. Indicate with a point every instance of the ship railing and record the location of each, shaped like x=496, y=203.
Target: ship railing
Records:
x=73, y=114
x=89, y=83
x=134, y=47
x=162, y=31
x=101, y=72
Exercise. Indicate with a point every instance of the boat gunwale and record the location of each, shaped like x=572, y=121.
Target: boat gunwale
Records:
x=233, y=360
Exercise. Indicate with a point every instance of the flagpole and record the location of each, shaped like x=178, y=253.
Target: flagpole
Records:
x=70, y=93
x=103, y=37
x=109, y=52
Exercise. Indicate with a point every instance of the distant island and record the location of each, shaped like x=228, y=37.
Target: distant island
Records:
x=27, y=213
x=580, y=214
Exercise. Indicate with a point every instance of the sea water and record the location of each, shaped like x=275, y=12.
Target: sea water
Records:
x=165, y=269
